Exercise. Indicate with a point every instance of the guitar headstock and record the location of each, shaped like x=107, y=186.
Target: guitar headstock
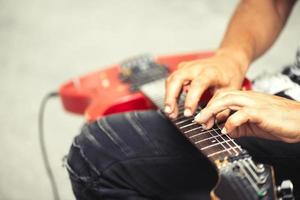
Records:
x=240, y=178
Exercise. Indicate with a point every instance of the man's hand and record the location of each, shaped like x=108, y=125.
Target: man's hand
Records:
x=256, y=114
x=252, y=30
x=218, y=72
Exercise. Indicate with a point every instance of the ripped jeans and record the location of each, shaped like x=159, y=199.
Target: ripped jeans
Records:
x=141, y=156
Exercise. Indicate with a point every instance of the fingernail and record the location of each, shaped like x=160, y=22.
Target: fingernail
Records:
x=224, y=131
x=187, y=113
x=197, y=118
x=167, y=109
x=172, y=116
x=203, y=126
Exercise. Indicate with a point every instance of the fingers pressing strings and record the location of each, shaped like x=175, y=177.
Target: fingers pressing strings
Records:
x=197, y=88
x=173, y=89
x=219, y=104
x=174, y=86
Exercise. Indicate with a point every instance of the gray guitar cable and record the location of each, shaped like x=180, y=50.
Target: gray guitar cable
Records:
x=43, y=144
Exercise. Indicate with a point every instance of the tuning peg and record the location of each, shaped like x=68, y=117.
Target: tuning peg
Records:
x=285, y=190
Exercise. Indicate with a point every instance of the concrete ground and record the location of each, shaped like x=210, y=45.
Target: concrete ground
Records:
x=44, y=43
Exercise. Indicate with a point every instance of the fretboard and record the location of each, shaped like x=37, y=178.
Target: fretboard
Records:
x=211, y=142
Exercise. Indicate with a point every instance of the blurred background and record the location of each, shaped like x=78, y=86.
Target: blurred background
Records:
x=43, y=43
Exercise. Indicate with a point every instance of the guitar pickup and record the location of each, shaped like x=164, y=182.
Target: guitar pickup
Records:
x=141, y=70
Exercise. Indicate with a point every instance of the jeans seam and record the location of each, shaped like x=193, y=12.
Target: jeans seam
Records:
x=136, y=124
x=85, y=159
x=87, y=133
x=113, y=136
x=160, y=113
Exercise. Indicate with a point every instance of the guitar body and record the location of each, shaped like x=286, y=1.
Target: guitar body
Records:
x=103, y=92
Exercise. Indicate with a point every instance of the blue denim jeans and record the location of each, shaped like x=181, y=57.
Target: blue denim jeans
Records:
x=141, y=156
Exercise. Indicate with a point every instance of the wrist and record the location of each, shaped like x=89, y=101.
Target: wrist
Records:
x=239, y=57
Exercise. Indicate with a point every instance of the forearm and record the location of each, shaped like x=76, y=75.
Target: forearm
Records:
x=253, y=29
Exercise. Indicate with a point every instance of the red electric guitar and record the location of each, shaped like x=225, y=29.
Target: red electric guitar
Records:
x=138, y=83
x=106, y=91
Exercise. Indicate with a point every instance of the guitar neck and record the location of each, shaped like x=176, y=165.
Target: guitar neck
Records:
x=211, y=142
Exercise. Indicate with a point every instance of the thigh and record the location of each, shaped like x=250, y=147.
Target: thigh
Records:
x=137, y=155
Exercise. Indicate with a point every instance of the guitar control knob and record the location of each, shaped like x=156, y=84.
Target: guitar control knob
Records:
x=236, y=168
x=263, y=179
x=285, y=190
x=260, y=168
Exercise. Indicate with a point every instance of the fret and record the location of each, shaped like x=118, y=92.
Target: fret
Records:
x=212, y=139
x=232, y=148
x=188, y=125
x=213, y=145
x=199, y=133
x=210, y=145
x=193, y=131
x=207, y=143
x=229, y=144
x=213, y=150
x=191, y=126
x=212, y=142
x=183, y=121
x=222, y=145
x=218, y=152
x=180, y=117
x=198, y=137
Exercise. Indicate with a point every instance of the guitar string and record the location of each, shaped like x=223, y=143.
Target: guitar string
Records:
x=233, y=147
x=227, y=142
x=158, y=100
x=214, y=144
x=230, y=146
x=218, y=135
x=229, y=138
